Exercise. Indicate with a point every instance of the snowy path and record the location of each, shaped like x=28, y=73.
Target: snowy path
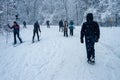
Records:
x=58, y=58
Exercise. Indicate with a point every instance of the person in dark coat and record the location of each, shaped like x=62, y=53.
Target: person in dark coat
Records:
x=48, y=23
x=16, y=30
x=35, y=31
x=60, y=25
x=71, y=27
x=90, y=30
x=65, y=28
x=24, y=24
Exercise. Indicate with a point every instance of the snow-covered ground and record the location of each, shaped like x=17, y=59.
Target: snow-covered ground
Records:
x=56, y=57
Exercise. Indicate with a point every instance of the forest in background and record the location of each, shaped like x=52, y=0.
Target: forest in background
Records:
x=106, y=12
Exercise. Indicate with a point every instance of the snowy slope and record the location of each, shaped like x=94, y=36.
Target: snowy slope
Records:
x=59, y=58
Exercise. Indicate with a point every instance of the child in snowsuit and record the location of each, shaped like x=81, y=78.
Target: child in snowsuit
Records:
x=90, y=30
x=71, y=27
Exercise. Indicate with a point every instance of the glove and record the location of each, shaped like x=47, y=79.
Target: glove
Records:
x=40, y=30
x=96, y=39
x=82, y=41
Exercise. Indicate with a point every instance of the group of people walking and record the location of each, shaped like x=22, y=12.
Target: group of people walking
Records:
x=63, y=26
x=90, y=30
x=16, y=31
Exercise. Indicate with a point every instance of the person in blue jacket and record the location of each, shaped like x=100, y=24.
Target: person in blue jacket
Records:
x=71, y=27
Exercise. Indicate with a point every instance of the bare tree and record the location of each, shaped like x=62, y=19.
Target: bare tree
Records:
x=35, y=9
x=116, y=15
x=66, y=10
x=77, y=13
x=26, y=4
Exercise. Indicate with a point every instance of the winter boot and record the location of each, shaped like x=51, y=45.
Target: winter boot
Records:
x=89, y=61
x=93, y=60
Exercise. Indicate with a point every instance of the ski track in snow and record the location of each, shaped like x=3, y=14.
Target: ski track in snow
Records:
x=111, y=49
x=56, y=57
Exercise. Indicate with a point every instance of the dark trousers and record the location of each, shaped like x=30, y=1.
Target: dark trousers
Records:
x=59, y=28
x=35, y=32
x=48, y=26
x=90, y=49
x=66, y=33
x=17, y=34
x=24, y=26
x=71, y=32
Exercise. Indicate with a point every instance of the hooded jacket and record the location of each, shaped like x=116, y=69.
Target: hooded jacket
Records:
x=36, y=26
x=90, y=29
